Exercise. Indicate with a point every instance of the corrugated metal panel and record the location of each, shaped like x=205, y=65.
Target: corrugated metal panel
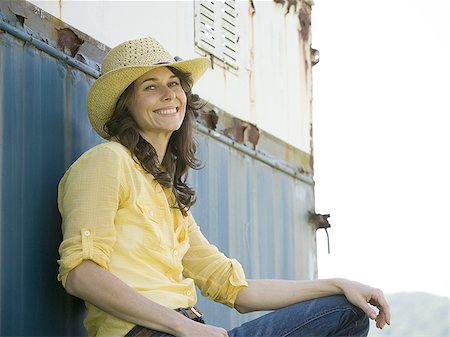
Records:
x=39, y=95
x=251, y=210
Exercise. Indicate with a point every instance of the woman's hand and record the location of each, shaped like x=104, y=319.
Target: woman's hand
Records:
x=202, y=330
x=362, y=295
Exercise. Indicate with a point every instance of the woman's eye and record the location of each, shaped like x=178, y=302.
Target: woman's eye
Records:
x=151, y=87
x=174, y=84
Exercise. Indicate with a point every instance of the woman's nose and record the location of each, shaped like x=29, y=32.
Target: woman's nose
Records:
x=168, y=94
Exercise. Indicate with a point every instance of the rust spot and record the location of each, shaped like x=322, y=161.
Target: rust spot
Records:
x=252, y=134
x=21, y=19
x=242, y=132
x=319, y=220
x=81, y=58
x=291, y=3
x=68, y=41
x=288, y=3
x=304, y=17
x=18, y=11
x=236, y=132
x=209, y=119
x=252, y=7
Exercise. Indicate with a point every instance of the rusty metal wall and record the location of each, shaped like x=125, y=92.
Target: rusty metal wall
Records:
x=249, y=204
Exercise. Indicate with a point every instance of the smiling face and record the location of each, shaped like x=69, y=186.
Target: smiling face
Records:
x=158, y=104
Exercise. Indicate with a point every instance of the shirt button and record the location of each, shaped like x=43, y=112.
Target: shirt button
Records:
x=87, y=233
x=175, y=252
x=188, y=293
x=151, y=213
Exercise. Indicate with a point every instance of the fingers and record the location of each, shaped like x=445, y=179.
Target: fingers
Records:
x=379, y=317
x=369, y=311
x=384, y=315
x=381, y=303
x=380, y=320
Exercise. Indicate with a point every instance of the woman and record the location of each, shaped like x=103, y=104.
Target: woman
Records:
x=131, y=248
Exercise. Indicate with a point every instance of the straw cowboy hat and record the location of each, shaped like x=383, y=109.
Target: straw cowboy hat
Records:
x=122, y=66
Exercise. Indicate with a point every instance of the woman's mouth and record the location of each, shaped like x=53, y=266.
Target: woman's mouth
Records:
x=166, y=111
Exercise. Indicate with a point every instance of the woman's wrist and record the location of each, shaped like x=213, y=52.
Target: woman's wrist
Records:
x=338, y=284
x=180, y=325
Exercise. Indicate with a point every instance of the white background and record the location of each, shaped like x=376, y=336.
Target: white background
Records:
x=381, y=136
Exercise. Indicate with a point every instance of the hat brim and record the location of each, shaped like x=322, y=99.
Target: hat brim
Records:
x=106, y=90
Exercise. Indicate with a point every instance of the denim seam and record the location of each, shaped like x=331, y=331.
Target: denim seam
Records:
x=317, y=317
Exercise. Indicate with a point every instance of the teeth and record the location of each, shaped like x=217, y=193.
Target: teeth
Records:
x=166, y=111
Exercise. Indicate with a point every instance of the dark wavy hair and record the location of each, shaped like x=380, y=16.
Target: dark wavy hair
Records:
x=180, y=154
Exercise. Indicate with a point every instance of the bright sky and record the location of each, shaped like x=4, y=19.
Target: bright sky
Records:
x=381, y=134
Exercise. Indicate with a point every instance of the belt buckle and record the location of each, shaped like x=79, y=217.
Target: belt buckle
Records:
x=196, y=312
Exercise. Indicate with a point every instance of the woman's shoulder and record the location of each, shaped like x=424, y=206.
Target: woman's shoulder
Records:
x=109, y=156
x=107, y=149
x=109, y=153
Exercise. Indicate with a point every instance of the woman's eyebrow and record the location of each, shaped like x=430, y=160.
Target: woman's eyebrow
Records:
x=155, y=79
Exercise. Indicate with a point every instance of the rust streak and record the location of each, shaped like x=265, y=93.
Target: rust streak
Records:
x=60, y=9
x=304, y=17
x=251, y=73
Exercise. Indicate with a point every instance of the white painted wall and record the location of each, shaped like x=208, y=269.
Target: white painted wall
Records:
x=279, y=98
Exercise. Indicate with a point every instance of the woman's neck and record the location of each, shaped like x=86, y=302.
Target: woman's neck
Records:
x=159, y=142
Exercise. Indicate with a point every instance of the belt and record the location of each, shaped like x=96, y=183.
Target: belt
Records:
x=191, y=313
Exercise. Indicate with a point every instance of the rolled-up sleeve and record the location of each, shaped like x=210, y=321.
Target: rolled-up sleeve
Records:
x=88, y=199
x=217, y=276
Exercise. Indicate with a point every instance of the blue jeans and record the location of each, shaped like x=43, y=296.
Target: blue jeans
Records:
x=327, y=316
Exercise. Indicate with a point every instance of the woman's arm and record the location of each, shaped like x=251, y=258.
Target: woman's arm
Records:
x=275, y=294
x=101, y=288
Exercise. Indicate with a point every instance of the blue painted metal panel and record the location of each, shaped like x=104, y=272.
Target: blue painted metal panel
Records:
x=37, y=94
x=255, y=213
x=252, y=211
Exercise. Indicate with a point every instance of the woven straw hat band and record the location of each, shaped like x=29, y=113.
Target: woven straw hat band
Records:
x=142, y=52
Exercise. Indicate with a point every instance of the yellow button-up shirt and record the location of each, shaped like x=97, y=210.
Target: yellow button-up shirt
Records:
x=117, y=215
